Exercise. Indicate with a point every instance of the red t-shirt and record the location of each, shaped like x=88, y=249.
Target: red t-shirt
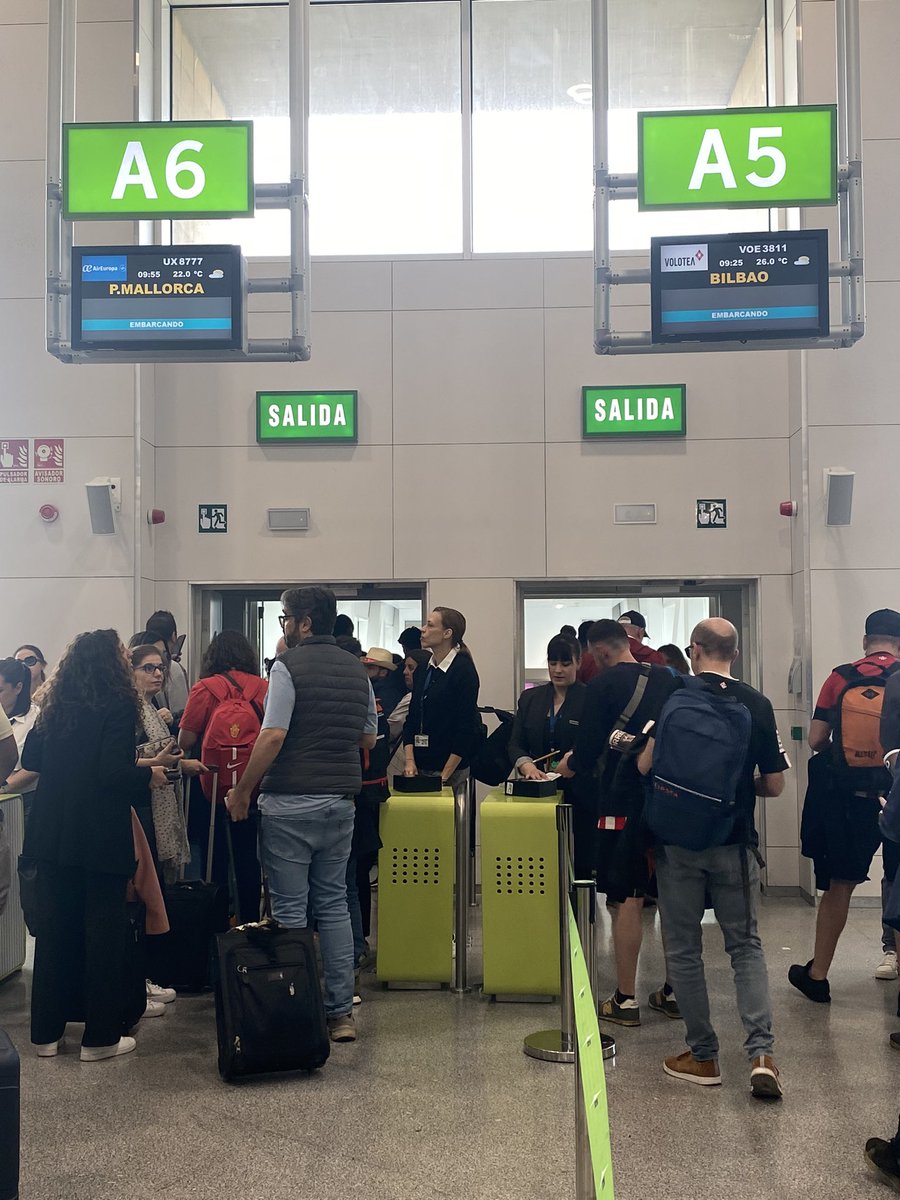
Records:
x=587, y=668
x=645, y=654
x=871, y=664
x=201, y=702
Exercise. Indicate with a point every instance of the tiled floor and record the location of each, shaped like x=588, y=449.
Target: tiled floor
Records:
x=437, y=1100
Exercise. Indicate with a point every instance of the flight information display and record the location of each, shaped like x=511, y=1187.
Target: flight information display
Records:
x=144, y=298
x=739, y=286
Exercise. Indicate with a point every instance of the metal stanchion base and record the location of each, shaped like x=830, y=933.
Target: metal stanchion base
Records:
x=550, y=1046
x=609, y=1045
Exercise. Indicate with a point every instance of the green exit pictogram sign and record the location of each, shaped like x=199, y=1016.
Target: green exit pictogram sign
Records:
x=738, y=158
x=157, y=169
x=622, y=412
x=306, y=417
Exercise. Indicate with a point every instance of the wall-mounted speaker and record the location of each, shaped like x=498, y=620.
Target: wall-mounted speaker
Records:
x=104, y=501
x=288, y=519
x=838, y=495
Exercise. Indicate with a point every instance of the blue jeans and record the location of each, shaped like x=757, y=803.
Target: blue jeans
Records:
x=305, y=856
x=684, y=876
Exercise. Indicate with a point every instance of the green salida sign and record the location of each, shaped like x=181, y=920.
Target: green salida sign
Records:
x=623, y=412
x=738, y=158
x=291, y=417
x=158, y=169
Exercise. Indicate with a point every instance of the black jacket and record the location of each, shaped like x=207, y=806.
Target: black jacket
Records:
x=81, y=812
x=530, y=737
x=444, y=706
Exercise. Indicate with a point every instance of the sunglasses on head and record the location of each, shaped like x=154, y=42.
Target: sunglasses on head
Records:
x=30, y=660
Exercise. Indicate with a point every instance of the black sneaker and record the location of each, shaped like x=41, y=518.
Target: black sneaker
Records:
x=881, y=1159
x=895, y=1041
x=667, y=1005
x=816, y=990
x=626, y=1013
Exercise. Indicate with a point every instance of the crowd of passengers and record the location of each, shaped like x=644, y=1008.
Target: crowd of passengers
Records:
x=115, y=755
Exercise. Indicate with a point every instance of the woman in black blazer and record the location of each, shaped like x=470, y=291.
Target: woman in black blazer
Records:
x=443, y=726
x=81, y=837
x=547, y=717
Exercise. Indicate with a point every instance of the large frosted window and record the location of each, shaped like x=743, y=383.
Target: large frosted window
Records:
x=385, y=132
x=387, y=170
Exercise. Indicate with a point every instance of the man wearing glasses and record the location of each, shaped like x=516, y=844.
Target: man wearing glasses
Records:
x=319, y=711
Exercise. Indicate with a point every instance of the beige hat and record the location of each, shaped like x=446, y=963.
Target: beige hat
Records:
x=380, y=658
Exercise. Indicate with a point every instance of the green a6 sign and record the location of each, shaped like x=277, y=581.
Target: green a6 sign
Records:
x=738, y=158
x=160, y=169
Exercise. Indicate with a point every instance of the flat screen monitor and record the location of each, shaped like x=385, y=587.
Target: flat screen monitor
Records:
x=143, y=298
x=737, y=287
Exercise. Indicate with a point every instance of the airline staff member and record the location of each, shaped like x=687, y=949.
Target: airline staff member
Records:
x=547, y=717
x=443, y=725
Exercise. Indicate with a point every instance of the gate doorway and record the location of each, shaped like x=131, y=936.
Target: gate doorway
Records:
x=379, y=611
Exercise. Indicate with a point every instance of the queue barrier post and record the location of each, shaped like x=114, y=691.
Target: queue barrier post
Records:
x=558, y=1045
x=585, y=903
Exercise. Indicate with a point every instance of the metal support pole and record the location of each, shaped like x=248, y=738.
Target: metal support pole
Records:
x=600, y=104
x=461, y=894
x=849, y=96
x=298, y=36
x=61, y=17
x=558, y=1045
x=585, y=901
x=473, y=816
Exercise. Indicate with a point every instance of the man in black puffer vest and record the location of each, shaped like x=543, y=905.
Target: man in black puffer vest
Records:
x=319, y=711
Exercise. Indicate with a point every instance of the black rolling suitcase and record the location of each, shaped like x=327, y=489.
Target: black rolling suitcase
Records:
x=270, y=1015
x=9, y=1119
x=197, y=911
x=269, y=1010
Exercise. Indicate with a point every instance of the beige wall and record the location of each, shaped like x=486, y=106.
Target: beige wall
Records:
x=470, y=472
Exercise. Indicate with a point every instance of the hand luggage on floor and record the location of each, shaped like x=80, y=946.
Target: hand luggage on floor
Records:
x=269, y=1010
x=12, y=923
x=197, y=911
x=270, y=1015
x=9, y=1119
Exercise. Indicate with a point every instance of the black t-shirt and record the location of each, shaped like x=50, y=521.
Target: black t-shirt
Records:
x=766, y=751
x=605, y=700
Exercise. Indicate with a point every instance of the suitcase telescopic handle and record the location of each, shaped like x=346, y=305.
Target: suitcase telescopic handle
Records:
x=214, y=772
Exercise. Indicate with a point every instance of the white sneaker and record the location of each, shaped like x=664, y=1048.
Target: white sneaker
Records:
x=887, y=968
x=97, y=1053
x=357, y=1000
x=154, y=1009
x=163, y=995
x=50, y=1049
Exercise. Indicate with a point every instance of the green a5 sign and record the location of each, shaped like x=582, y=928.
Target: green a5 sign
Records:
x=158, y=170
x=738, y=158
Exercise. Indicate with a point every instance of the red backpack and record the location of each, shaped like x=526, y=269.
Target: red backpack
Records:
x=231, y=732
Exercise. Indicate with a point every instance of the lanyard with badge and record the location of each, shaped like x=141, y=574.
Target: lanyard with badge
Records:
x=420, y=740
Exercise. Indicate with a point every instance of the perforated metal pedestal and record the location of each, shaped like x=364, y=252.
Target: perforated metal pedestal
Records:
x=520, y=895
x=415, y=889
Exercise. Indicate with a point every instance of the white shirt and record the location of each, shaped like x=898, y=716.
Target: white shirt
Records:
x=444, y=664
x=21, y=727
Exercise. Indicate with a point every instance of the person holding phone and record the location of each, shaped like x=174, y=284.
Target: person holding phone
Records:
x=548, y=717
x=162, y=816
x=443, y=725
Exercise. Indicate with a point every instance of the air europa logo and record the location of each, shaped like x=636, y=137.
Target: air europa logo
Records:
x=684, y=257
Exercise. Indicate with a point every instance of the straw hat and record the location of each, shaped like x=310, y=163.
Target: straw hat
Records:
x=377, y=657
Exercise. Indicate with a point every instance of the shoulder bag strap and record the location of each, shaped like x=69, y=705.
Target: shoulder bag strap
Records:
x=254, y=704
x=636, y=697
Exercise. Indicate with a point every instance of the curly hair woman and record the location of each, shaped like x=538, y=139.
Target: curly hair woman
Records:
x=80, y=835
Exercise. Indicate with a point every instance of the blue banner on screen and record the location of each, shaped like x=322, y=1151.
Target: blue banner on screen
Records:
x=734, y=287
x=104, y=266
x=157, y=298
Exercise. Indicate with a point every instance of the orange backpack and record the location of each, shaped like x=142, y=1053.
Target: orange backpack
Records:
x=856, y=743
